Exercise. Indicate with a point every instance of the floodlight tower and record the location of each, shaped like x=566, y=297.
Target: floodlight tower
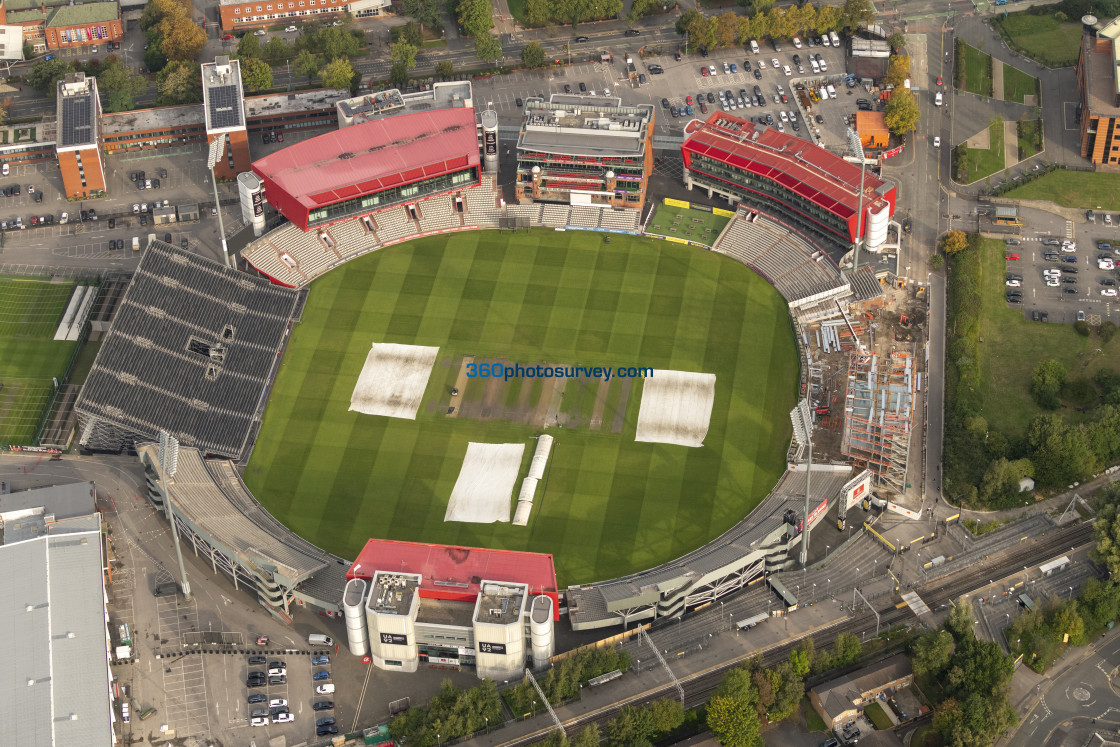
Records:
x=803, y=433
x=217, y=150
x=857, y=150
x=168, y=465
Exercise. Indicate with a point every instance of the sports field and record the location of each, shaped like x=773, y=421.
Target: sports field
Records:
x=30, y=310
x=688, y=224
x=607, y=505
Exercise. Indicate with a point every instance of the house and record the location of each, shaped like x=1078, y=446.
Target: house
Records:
x=841, y=700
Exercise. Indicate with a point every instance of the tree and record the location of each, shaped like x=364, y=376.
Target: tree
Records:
x=1000, y=483
x=179, y=83
x=726, y=29
x=1046, y=382
x=800, y=661
x=427, y=12
x=398, y=74
x=249, y=46
x=641, y=8
x=856, y=12
x=937, y=261
x=1106, y=530
x=404, y=53
x=306, y=64
x=897, y=40
x=901, y=114
x=666, y=715
x=898, y=70
x=154, y=58
x=695, y=24
x=474, y=17
x=276, y=50
x=183, y=39
x=411, y=33
x=931, y=652
x=532, y=55
x=538, y=12
x=157, y=10
x=487, y=47
x=738, y=684
x=588, y=736
x=45, y=74
x=734, y=722
x=846, y=649
x=337, y=74
x=960, y=621
x=120, y=85
x=953, y=241
x=445, y=68
x=255, y=74
x=633, y=727
x=1060, y=452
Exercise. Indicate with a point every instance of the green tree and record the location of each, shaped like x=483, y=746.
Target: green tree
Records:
x=154, y=58
x=937, y=261
x=666, y=715
x=179, y=83
x=801, y=662
x=1046, y=382
x=120, y=85
x=427, y=12
x=960, y=621
x=404, y=53
x=445, y=68
x=901, y=114
x=249, y=46
x=695, y=24
x=856, y=12
x=726, y=29
x=633, y=727
x=641, y=8
x=1060, y=452
x=411, y=33
x=28, y=50
x=734, y=722
x=532, y=55
x=155, y=11
x=182, y=38
x=487, y=47
x=256, y=74
x=1106, y=529
x=1001, y=480
x=738, y=683
x=337, y=74
x=846, y=650
x=897, y=40
x=931, y=652
x=474, y=17
x=45, y=74
x=898, y=70
x=398, y=74
x=588, y=736
x=538, y=12
x=276, y=50
x=306, y=64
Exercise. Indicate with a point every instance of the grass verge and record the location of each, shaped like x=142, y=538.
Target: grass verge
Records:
x=979, y=163
x=1030, y=137
x=1075, y=189
x=813, y=720
x=1045, y=39
x=1017, y=84
x=977, y=71
x=878, y=718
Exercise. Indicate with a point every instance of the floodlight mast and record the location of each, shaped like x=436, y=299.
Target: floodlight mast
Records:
x=168, y=465
x=803, y=432
x=217, y=150
x=857, y=150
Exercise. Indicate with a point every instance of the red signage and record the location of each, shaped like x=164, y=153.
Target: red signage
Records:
x=818, y=511
x=892, y=152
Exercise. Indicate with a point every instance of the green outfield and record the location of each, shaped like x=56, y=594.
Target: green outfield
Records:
x=30, y=311
x=608, y=505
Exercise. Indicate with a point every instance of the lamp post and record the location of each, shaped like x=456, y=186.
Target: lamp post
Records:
x=217, y=150
x=1071, y=592
x=857, y=150
x=803, y=432
x=168, y=465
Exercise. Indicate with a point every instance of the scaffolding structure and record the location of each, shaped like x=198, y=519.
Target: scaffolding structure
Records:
x=879, y=414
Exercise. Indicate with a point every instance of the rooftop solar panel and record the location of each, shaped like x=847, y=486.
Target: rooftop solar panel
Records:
x=76, y=126
x=225, y=106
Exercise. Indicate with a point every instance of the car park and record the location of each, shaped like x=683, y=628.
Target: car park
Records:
x=259, y=32
x=1050, y=256
x=1108, y=281
x=1069, y=246
x=255, y=682
x=1068, y=279
x=255, y=660
x=327, y=689
x=184, y=243
x=277, y=703
x=277, y=668
x=278, y=679
x=1015, y=299
x=711, y=69
x=774, y=61
x=1069, y=270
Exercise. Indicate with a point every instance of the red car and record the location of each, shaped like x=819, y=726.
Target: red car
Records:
x=1011, y=256
x=938, y=80
x=704, y=71
x=227, y=37
x=688, y=100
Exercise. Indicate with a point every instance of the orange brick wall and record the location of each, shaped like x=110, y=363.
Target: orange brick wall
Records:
x=72, y=180
x=238, y=142
x=55, y=37
x=237, y=16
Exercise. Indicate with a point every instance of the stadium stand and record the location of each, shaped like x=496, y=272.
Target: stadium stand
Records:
x=217, y=514
x=621, y=220
x=192, y=350
x=796, y=268
x=762, y=542
x=554, y=215
x=438, y=213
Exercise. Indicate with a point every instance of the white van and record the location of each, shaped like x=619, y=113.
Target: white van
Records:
x=754, y=47
x=831, y=91
x=813, y=64
x=318, y=639
x=324, y=689
x=834, y=38
x=937, y=99
x=135, y=243
x=824, y=41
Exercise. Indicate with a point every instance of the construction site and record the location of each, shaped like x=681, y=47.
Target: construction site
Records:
x=864, y=385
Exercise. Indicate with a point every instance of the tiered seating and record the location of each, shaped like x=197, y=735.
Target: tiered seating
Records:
x=352, y=238
x=482, y=203
x=786, y=260
x=438, y=213
x=265, y=258
x=581, y=215
x=530, y=212
x=623, y=220
x=394, y=224
x=554, y=215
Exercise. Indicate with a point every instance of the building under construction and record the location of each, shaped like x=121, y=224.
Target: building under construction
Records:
x=879, y=413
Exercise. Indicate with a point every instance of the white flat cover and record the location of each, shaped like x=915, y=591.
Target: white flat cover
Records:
x=482, y=493
x=676, y=407
x=393, y=380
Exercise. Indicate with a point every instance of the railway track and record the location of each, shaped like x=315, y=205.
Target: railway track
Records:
x=699, y=686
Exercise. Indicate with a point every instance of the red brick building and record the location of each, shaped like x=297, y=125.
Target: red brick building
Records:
x=83, y=25
x=238, y=14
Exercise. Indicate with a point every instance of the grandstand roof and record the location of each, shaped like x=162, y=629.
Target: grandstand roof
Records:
x=191, y=350
x=802, y=167
x=373, y=156
x=454, y=572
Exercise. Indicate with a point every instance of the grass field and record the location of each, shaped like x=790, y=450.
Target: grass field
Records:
x=1013, y=345
x=30, y=310
x=875, y=714
x=983, y=162
x=1028, y=138
x=977, y=75
x=1052, y=42
x=608, y=505
x=691, y=225
x=1075, y=189
x=1017, y=84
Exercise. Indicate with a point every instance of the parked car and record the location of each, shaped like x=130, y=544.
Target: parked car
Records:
x=258, y=698
x=285, y=717
x=290, y=29
x=256, y=660
x=321, y=675
x=323, y=705
x=323, y=731
x=325, y=721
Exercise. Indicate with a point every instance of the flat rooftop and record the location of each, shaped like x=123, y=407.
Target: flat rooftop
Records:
x=272, y=104
x=367, y=108
x=222, y=96
x=594, y=126
x=499, y=603
x=1102, y=84
x=77, y=111
x=392, y=593
x=444, y=612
